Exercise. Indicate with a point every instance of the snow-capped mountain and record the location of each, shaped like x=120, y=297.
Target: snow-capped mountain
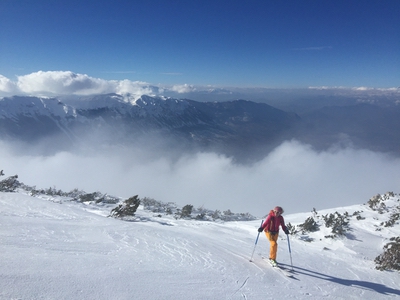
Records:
x=18, y=106
x=123, y=118
x=242, y=129
x=32, y=117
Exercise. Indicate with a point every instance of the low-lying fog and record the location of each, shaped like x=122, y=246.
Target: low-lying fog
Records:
x=293, y=175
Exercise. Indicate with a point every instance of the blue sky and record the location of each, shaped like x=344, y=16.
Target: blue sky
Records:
x=247, y=43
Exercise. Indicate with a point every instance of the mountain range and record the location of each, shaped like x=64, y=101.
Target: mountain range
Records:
x=245, y=130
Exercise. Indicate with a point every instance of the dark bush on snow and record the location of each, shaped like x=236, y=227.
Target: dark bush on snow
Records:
x=338, y=222
x=394, y=218
x=127, y=208
x=309, y=225
x=390, y=258
x=292, y=228
x=185, y=212
x=9, y=184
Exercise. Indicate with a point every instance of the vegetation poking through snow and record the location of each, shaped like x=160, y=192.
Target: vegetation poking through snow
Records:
x=358, y=215
x=127, y=208
x=338, y=222
x=333, y=225
x=390, y=258
x=190, y=212
x=338, y=225
x=292, y=228
x=309, y=225
x=185, y=212
x=11, y=184
x=393, y=219
x=377, y=202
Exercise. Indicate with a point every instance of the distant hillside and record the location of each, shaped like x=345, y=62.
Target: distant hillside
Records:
x=244, y=130
x=233, y=128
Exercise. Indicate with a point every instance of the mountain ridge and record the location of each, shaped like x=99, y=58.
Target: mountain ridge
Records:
x=227, y=127
x=242, y=129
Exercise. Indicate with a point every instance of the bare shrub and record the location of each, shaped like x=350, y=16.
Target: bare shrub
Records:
x=127, y=208
x=390, y=258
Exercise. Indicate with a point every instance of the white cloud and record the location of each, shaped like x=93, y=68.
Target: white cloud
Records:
x=52, y=83
x=7, y=86
x=293, y=176
x=183, y=88
x=61, y=83
x=355, y=88
x=362, y=88
x=134, y=87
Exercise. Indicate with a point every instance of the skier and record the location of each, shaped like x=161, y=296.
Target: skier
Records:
x=271, y=229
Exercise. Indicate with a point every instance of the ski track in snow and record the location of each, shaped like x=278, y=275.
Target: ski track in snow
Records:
x=53, y=250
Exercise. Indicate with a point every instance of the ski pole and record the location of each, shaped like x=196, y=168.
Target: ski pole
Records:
x=290, y=251
x=255, y=244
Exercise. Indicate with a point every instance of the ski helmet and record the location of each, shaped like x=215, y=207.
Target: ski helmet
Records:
x=278, y=209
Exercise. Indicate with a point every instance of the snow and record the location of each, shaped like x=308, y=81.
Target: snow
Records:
x=12, y=107
x=130, y=104
x=54, y=248
x=127, y=104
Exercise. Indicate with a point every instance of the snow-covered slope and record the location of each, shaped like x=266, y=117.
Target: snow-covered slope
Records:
x=23, y=106
x=133, y=105
x=13, y=107
x=54, y=248
x=235, y=128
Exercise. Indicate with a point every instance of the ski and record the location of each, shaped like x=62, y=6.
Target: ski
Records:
x=279, y=268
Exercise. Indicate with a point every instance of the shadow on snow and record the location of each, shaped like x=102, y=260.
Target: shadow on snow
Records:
x=380, y=288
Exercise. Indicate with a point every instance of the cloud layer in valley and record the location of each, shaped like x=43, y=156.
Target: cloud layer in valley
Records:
x=293, y=176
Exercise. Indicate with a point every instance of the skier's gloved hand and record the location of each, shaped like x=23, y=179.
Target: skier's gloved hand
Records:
x=260, y=229
x=286, y=231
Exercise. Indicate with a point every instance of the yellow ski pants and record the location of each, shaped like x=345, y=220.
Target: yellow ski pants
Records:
x=273, y=249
